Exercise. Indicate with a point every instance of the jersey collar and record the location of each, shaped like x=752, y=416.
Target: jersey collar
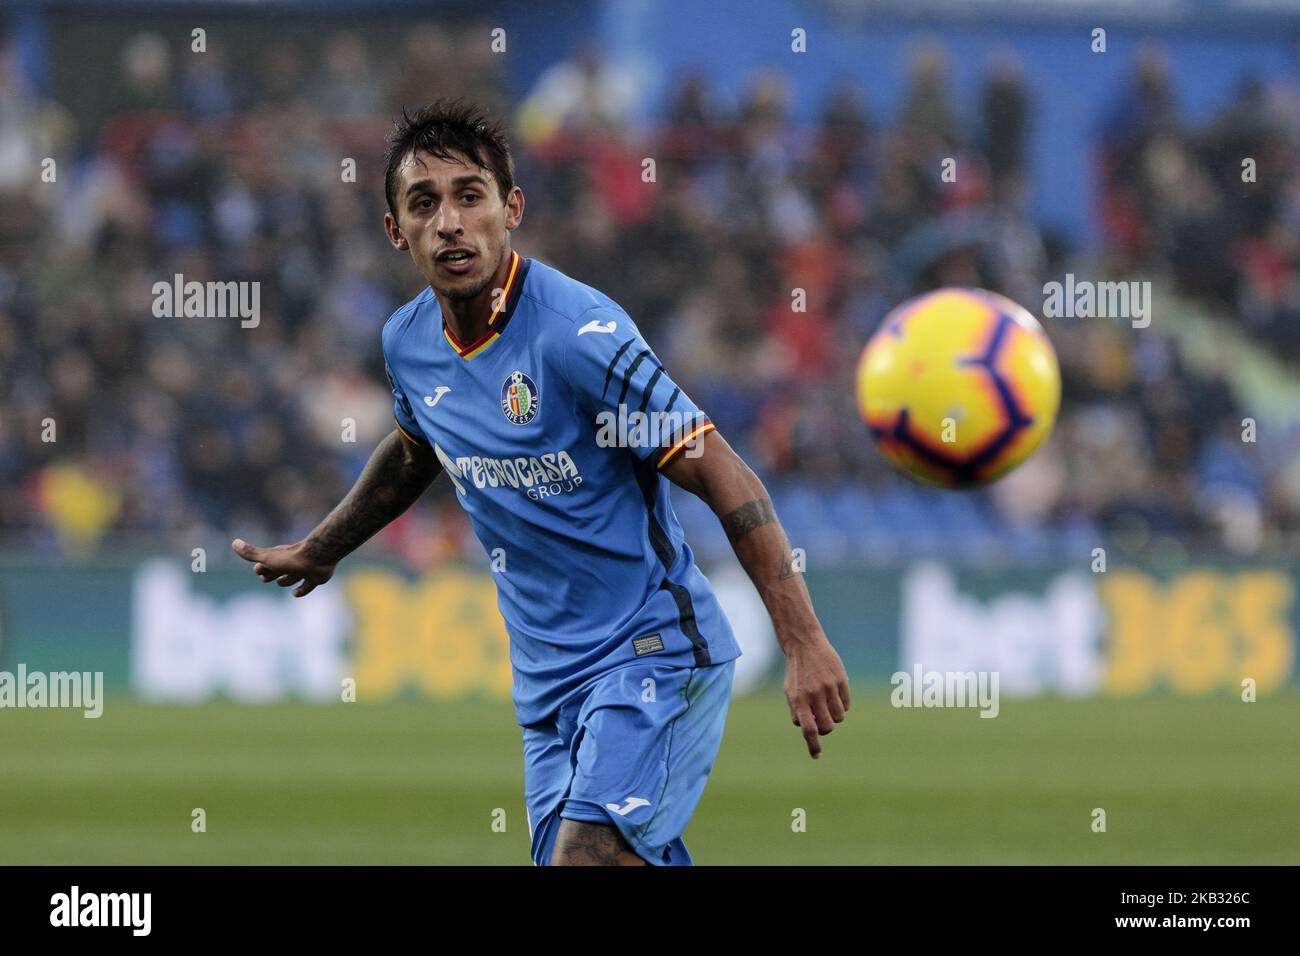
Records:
x=501, y=314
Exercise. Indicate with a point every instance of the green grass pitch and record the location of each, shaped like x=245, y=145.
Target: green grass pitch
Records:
x=1213, y=781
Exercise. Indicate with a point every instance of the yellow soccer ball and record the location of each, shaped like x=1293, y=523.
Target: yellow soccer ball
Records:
x=958, y=386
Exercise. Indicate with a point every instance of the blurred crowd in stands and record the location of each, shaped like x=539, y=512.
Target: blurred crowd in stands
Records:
x=180, y=433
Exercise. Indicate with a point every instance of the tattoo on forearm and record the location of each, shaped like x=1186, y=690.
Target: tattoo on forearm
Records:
x=388, y=485
x=750, y=515
x=787, y=567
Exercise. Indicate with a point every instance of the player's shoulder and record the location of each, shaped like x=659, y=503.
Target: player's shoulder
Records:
x=576, y=324
x=564, y=304
x=401, y=320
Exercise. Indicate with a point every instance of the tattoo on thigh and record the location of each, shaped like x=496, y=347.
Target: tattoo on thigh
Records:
x=591, y=844
x=750, y=515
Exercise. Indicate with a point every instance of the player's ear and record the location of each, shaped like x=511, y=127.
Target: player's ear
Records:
x=394, y=232
x=514, y=207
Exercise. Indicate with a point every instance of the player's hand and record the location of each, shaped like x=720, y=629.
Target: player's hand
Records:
x=816, y=688
x=286, y=565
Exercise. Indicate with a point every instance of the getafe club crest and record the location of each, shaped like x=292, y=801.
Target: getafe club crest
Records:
x=519, y=399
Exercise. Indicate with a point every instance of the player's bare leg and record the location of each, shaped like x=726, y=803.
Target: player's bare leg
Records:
x=592, y=844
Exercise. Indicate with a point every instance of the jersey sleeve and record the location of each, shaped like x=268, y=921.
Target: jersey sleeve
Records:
x=621, y=382
x=402, y=411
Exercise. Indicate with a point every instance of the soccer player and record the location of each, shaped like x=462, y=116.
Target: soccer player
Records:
x=560, y=430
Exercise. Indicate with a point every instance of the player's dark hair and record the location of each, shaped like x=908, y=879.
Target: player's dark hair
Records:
x=445, y=125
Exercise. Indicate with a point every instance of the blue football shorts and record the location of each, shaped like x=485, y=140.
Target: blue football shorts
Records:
x=632, y=749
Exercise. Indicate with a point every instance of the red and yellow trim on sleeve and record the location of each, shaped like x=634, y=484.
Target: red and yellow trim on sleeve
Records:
x=418, y=441
x=473, y=348
x=672, y=453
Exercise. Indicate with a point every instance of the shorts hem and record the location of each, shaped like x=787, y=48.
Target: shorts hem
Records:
x=586, y=816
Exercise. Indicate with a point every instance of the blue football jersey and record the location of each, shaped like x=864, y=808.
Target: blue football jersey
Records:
x=553, y=428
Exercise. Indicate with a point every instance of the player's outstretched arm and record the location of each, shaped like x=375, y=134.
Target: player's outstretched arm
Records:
x=816, y=685
x=398, y=472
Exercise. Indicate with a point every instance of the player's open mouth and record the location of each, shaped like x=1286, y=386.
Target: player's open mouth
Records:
x=458, y=261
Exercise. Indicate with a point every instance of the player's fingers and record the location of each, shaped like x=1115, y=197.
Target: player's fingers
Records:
x=844, y=693
x=834, y=705
x=813, y=741
x=304, y=589
x=246, y=550
x=288, y=580
x=810, y=735
x=822, y=714
x=265, y=573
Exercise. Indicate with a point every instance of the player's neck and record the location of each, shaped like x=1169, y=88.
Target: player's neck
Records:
x=468, y=318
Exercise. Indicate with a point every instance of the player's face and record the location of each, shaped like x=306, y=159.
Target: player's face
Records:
x=453, y=220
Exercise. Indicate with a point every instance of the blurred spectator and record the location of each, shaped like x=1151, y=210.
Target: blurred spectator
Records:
x=348, y=84
x=927, y=110
x=1005, y=109
x=145, y=82
x=583, y=94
